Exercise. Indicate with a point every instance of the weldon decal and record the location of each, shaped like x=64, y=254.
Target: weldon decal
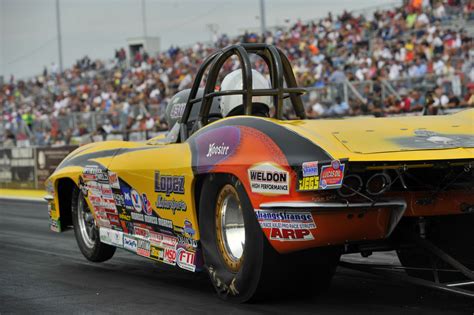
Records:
x=267, y=178
x=215, y=146
x=332, y=175
x=287, y=225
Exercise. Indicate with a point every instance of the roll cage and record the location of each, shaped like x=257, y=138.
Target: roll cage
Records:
x=280, y=72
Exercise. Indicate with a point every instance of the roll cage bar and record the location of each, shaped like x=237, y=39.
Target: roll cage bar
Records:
x=280, y=71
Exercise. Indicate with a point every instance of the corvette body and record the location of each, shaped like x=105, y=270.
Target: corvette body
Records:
x=312, y=184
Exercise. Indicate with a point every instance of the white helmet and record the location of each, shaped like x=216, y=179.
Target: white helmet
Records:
x=233, y=81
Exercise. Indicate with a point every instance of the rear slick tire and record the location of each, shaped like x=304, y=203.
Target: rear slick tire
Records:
x=255, y=271
x=86, y=232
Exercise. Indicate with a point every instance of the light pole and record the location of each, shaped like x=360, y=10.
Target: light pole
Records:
x=60, y=45
x=263, y=26
x=144, y=18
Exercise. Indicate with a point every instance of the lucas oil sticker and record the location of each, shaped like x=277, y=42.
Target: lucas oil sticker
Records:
x=270, y=179
x=332, y=175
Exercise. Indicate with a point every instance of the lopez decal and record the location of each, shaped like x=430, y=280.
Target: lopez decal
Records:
x=169, y=184
x=310, y=169
x=170, y=204
x=185, y=259
x=215, y=146
x=267, y=178
x=332, y=175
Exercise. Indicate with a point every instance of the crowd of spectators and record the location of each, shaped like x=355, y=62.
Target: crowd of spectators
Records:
x=400, y=47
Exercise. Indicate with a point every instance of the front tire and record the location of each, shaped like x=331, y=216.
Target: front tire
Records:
x=241, y=263
x=86, y=232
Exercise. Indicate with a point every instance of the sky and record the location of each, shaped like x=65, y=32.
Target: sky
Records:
x=28, y=28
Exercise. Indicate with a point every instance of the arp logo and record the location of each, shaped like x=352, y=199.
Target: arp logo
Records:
x=278, y=234
x=129, y=243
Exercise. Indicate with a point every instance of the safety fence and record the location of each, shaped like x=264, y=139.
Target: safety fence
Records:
x=28, y=168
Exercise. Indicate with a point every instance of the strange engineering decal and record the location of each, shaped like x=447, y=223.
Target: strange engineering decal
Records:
x=287, y=225
x=127, y=218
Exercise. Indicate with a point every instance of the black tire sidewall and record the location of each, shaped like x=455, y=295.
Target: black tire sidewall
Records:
x=247, y=279
x=99, y=252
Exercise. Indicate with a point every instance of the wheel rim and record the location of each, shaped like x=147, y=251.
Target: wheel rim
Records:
x=86, y=222
x=230, y=227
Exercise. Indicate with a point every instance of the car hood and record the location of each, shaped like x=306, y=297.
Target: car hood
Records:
x=393, y=138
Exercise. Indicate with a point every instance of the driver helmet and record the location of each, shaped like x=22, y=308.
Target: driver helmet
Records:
x=232, y=104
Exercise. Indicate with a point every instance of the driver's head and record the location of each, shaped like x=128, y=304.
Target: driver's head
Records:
x=231, y=105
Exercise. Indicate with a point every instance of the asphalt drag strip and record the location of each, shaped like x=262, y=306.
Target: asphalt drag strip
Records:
x=42, y=271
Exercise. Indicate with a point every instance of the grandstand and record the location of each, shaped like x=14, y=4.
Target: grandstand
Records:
x=414, y=59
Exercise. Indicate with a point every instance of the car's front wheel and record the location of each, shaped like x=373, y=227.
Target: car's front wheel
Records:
x=86, y=231
x=241, y=263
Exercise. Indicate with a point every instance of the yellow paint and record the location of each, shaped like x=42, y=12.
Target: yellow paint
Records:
x=22, y=193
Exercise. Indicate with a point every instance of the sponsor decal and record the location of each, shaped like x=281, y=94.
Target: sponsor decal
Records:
x=93, y=188
x=143, y=247
x=127, y=196
x=310, y=169
x=170, y=204
x=217, y=149
x=124, y=216
x=166, y=254
x=287, y=225
x=308, y=183
x=291, y=234
x=113, y=219
x=113, y=180
x=177, y=110
x=188, y=230
x=331, y=175
x=130, y=243
x=187, y=242
x=111, y=237
x=163, y=239
x=269, y=179
x=185, y=259
x=285, y=219
x=169, y=184
x=156, y=252
x=136, y=201
x=119, y=200
x=142, y=232
x=165, y=223
x=144, y=218
x=106, y=191
x=109, y=205
x=215, y=146
x=94, y=173
x=55, y=225
x=146, y=205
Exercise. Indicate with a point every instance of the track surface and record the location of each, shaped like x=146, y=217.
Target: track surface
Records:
x=43, y=271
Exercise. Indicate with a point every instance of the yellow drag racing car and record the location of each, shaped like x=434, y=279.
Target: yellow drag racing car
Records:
x=264, y=204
